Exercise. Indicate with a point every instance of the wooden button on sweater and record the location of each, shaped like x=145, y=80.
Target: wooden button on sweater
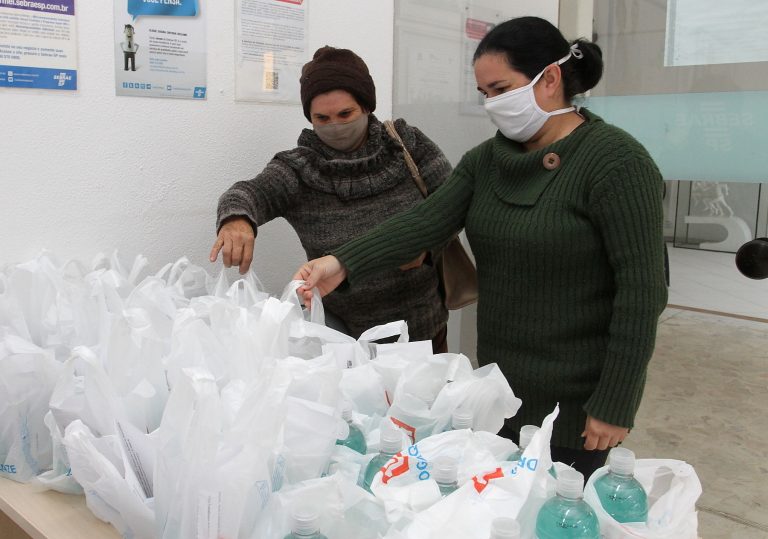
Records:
x=551, y=161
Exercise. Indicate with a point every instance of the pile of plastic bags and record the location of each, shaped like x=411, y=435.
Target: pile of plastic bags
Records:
x=184, y=406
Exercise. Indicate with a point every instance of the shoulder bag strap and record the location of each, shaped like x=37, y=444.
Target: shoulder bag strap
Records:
x=408, y=159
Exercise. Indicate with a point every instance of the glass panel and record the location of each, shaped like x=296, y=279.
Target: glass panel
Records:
x=688, y=79
x=716, y=216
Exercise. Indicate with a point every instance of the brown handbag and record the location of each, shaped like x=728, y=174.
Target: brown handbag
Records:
x=458, y=275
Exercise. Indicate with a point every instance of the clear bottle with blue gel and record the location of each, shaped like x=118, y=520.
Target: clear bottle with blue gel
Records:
x=526, y=435
x=567, y=515
x=305, y=525
x=621, y=495
x=445, y=472
x=391, y=444
x=505, y=528
x=355, y=440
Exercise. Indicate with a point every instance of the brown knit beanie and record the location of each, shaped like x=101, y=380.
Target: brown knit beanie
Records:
x=337, y=69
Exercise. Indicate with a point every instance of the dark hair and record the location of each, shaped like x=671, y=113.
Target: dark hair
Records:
x=530, y=44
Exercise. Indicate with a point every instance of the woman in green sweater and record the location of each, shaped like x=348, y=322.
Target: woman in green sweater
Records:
x=563, y=213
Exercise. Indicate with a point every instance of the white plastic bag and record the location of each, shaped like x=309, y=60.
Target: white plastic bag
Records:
x=59, y=477
x=188, y=279
x=672, y=487
x=244, y=292
x=29, y=375
x=418, y=387
x=310, y=435
x=215, y=471
x=132, y=357
x=485, y=392
x=364, y=386
x=111, y=490
x=84, y=392
x=315, y=380
x=344, y=509
x=405, y=482
x=194, y=344
x=509, y=489
x=186, y=497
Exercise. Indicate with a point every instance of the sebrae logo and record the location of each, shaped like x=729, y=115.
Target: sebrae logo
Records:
x=62, y=78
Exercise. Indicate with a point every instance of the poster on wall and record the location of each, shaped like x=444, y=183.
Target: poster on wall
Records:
x=474, y=28
x=38, y=44
x=160, y=48
x=271, y=48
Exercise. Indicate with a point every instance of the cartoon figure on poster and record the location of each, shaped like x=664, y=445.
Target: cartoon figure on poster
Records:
x=160, y=48
x=130, y=48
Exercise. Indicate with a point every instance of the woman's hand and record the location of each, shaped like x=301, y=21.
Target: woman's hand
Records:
x=602, y=435
x=325, y=273
x=236, y=240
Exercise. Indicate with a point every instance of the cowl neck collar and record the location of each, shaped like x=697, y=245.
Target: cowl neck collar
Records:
x=375, y=167
x=523, y=176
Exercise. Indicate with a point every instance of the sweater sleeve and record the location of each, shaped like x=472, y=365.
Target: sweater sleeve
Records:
x=261, y=199
x=626, y=207
x=424, y=227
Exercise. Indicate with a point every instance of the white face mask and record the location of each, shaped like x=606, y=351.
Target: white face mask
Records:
x=516, y=113
x=344, y=137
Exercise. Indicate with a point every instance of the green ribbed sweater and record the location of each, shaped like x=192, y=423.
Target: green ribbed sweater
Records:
x=570, y=268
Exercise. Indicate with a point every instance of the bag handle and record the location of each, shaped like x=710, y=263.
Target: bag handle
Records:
x=408, y=159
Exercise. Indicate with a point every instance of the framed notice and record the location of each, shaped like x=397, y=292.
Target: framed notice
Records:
x=270, y=49
x=38, y=44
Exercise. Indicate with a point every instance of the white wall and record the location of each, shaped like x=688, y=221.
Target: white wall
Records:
x=87, y=171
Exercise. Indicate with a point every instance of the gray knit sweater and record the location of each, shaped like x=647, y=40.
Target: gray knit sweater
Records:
x=331, y=197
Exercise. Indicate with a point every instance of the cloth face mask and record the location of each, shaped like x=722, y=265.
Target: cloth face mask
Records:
x=344, y=137
x=517, y=114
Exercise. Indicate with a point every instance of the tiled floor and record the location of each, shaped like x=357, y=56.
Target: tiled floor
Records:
x=707, y=392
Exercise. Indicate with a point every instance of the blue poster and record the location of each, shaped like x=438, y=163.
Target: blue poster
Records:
x=38, y=47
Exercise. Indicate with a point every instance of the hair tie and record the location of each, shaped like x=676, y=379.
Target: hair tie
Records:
x=576, y=51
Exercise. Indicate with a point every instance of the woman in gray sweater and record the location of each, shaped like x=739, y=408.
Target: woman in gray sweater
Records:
x=345, y=176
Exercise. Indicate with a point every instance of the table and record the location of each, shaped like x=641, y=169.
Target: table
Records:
x=28, y=513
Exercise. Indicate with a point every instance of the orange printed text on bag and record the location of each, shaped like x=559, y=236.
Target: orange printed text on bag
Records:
x=458, y=276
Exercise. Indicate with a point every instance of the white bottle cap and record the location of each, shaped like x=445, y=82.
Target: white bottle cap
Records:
x=391, y=438
x=445, y=470
x=505, y=528
x=305, y=521
x=570, y=484
x=346, y=410
x=342, y=430
x=621, y=461
x=526, y=435
x=462, y=418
